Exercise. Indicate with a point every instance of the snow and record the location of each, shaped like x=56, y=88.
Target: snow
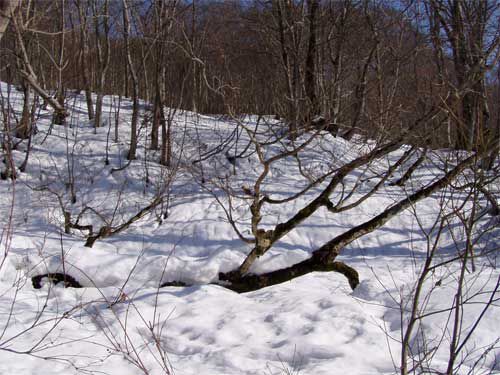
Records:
x=121, y=322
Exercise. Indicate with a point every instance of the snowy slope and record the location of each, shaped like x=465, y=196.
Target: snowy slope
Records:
x=122, y=323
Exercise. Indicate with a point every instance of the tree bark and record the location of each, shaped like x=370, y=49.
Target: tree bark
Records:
x=251, y=282
x=84, y=56
x=23, y=131
x=7, y=8
x=102, y=61
x=135, y=85
x=310, y=71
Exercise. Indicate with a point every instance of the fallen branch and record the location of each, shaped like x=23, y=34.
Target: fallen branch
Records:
x=251, y=282
x=55, y=278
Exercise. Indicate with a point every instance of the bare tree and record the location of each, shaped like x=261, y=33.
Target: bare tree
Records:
x=455, y=269
x=135, y=84
x=163, y=23
x=27, y=71
x=310, y=68
x=83, y=13
x=103, y=57
x=467, y=26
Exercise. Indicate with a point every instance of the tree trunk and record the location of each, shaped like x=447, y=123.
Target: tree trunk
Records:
x=494, y=138
x=59, y=118
x=23, y=131
x=135, y=85
x=7, y=8
x=156, y=120
x=84, y=55
x=310, y=71
x=102, y=61
x=360, y=95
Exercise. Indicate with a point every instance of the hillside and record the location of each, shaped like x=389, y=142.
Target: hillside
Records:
x=122, y=322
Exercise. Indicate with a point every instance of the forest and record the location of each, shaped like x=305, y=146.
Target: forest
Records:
x=267, y=187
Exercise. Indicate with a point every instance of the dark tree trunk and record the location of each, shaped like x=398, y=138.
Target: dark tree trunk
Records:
x=102, y=61
x=156, y=121
x=135, y=84
x=310, y=71
x=7, y=8
x=24, y=129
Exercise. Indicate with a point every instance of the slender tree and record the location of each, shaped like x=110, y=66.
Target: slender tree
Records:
x=84, y=55
x=135, y=84
x=101, y=22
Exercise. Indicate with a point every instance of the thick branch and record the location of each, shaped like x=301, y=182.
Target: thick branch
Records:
x=283, y=228
x=331, y=249
x=322, y=200
x=402, y=181
x=253, y=282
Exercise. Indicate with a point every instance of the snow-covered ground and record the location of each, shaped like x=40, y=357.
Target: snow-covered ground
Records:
x=121, y=322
